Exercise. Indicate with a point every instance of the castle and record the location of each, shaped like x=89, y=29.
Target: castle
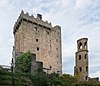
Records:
x=40, y=38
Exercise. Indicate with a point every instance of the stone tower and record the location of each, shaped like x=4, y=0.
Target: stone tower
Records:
x=39, y=37
x=81, y=68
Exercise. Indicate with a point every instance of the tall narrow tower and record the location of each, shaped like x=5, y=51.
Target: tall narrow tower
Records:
x=81, y=68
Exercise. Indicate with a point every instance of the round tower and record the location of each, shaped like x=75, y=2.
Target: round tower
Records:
x=81, y=68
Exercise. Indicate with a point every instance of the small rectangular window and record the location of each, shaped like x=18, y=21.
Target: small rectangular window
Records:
x=86, y=77
x=56, y=40
x=56, y=48
x=80, y=68
x=85, y=56
x=50, y=67
x=86, y=69
x=79, y=57
x=47, y=32
x=36, y=40
x=37, y=48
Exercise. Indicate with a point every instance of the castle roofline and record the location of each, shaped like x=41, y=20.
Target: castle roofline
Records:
x=82, y=39
x=38, y=20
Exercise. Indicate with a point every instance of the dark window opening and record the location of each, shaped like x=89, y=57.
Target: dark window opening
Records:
x=47, y=32
x=80, y=68
x=85, y=56
x=86, y=77
x=36, y=40
x=56, y=40
x=35, y=28
x=56, y=48
x=50, y=67
x=37, y=48
x=48, y=28
x=79, y=57
x=86, y=69
x=80, y=45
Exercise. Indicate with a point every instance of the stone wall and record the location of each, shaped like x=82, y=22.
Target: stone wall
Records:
x=36, y=66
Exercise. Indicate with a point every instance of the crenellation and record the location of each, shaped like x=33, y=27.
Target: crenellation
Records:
x=31, y=19
x=27, y=14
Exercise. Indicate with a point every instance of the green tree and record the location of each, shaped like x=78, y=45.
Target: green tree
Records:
x=23, y=63
x=68, y=80
x=39, y=79
x=55, y=79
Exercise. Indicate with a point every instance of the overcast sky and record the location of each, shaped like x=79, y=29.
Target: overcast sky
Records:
x=78, y=19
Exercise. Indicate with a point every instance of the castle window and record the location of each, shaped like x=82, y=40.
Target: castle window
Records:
x=48, y=28
x=79, y=57
x=85, y=56
x=86, y=69
x=86, y=77
x=37, y=48
x=56, y=48
x=80, y=45
x=35, y=28
x=48, y=32
x=56, y=40
x=36, y=40
x=80, y=68
x=50, y=67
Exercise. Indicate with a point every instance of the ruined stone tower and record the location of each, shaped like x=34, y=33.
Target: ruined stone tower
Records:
x=39, y=37
x=81, y=67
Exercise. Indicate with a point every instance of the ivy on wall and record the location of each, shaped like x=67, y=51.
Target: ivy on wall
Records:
x=23, y=63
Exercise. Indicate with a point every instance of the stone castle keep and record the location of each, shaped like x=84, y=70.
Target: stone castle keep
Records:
x=81, y=68
x=40, y=38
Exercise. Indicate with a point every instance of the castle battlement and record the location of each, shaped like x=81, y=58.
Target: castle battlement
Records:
x=38, y=21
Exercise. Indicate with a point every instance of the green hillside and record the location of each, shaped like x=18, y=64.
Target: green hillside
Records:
x=6, y=79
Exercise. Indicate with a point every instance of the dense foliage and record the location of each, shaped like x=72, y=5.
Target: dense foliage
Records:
x=23, y=63
x=6, y=79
